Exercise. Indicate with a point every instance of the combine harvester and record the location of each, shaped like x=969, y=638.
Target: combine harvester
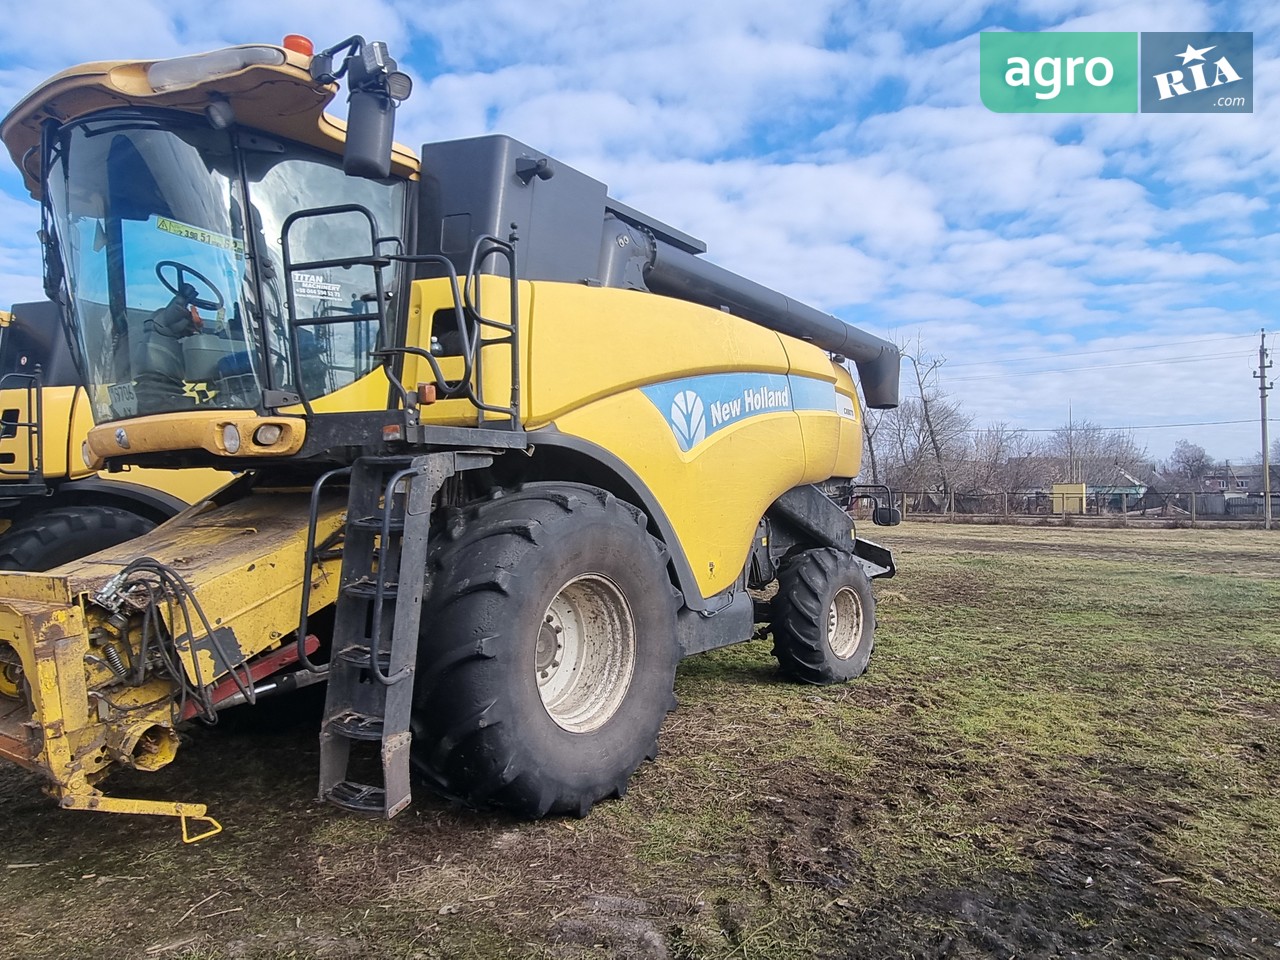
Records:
x=53, y=507
x=512, y=447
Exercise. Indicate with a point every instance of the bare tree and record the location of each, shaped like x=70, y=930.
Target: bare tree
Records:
x=1190, y=462
x=925, y=367
x=1083, y=452
x=908, y=451
x=1005, y=459
x=904, y=433
x=929, y=428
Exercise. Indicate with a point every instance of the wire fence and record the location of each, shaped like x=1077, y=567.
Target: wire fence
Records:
x=1120, y=507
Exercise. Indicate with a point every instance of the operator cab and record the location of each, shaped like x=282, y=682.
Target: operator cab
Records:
x=178, y=240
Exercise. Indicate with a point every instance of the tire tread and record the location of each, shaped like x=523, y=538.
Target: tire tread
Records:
x=799, y=627
x=38, y=543
x=479, y=561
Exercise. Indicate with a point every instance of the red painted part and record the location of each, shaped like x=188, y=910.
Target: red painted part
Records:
x=259, y=668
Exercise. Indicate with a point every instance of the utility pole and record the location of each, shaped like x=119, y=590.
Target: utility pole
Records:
x=1264, y=385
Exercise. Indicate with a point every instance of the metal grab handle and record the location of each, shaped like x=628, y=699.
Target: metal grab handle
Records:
x=380, y=586
x=313, y=519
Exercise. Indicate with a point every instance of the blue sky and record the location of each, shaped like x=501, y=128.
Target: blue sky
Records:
x=838, y=151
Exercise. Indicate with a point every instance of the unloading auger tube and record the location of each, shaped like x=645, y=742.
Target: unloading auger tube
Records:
x=673, y=272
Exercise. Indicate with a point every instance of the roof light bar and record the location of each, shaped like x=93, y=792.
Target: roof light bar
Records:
x=183, y=72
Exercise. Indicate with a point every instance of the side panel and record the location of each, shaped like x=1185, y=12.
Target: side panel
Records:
x=715, y=494
x=58, y=409
x=832, y=435
x=849, y=457
x=81, y=421
x=703, y=406
x=591, y=342
x=367, y=393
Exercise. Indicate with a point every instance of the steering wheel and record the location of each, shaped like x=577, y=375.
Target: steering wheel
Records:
x=182, y=272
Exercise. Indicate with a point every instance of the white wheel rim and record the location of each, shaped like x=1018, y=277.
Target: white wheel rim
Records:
x=844, y=623
x=586, y=653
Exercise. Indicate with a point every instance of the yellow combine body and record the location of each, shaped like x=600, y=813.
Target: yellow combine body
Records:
x=516, y=460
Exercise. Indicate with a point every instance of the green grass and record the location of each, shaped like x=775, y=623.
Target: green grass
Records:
x=1045, y=706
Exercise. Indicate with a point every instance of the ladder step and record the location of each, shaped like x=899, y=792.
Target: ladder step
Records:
x=356, y=726
x=359, y=656
x=365, y=717
x=368, y=589
x=374, y=523
x=358, y=797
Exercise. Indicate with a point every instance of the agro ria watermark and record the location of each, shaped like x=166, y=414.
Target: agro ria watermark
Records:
x=1117, y=72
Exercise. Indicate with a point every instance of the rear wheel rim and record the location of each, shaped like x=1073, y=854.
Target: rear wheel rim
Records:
x=585, y=655
x=844, y=623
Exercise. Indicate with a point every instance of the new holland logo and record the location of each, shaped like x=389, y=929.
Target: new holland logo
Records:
x=697, y=408
x=688, y=419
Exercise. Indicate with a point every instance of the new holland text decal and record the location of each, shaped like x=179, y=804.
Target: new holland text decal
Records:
x=697, y=407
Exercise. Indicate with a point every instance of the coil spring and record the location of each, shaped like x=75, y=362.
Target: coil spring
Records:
x=112, y=656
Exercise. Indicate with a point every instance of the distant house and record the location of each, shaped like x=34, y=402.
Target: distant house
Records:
x=1117, y=496
x=1229, y=482
x=1234, y=482
x=1083, y=498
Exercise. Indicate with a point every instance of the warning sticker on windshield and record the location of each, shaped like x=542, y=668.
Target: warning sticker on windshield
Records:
x=199, y=234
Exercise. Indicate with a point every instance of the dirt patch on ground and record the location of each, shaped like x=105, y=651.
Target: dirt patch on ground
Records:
x=1097, y=886
x=1094, y=879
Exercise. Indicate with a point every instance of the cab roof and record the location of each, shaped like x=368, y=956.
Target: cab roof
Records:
x=277, y=97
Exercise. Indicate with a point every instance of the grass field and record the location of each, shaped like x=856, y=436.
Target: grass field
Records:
x=1068, y=744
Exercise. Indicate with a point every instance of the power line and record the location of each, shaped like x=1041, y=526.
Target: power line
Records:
x=1096, y=366
x=1084, y=425
x=1091, y=353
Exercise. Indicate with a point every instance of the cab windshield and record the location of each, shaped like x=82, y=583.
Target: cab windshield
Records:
x=171, y=240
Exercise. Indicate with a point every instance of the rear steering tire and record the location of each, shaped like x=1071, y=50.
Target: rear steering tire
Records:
x=824, y=617
x=54, y=537
x=548, y=651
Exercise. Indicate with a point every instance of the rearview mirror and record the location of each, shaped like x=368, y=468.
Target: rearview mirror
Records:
x=371, y=122
x=377, y=87
x=886, y=516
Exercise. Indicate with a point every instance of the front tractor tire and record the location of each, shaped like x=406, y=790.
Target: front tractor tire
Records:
x=548, y=651
x=62, y=534
x=824, y=617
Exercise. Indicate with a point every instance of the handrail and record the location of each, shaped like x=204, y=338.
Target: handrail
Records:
x=313, y=520
x=380, y=581
x=374, y=260
x=35, y=434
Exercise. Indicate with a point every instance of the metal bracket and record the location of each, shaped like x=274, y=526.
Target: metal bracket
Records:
x=274, y=399
x=185, y=812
